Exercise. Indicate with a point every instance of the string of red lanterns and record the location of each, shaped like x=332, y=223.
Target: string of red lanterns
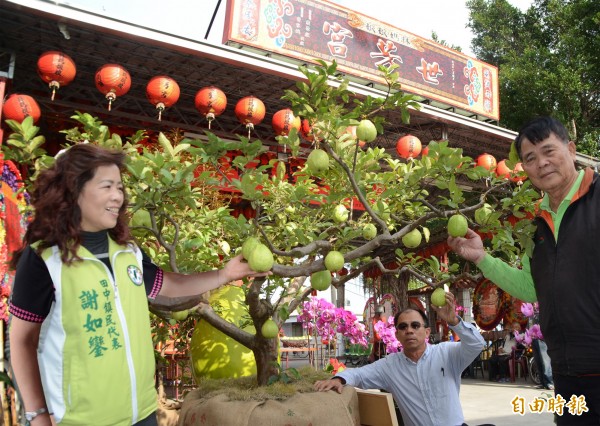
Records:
x=112, y=80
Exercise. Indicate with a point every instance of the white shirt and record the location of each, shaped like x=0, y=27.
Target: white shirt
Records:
x=427, y=392
x=508, y=345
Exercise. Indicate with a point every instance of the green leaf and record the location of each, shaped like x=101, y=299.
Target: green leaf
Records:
x=513, y=156
x=426, y=234
x=4, y=377
x=165, y=144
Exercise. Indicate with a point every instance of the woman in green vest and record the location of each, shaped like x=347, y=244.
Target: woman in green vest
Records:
x=80, y=343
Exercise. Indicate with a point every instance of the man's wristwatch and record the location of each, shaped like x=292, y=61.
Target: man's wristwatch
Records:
x=30, y=415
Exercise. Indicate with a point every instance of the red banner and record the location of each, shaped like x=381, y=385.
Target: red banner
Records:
x=313, y=29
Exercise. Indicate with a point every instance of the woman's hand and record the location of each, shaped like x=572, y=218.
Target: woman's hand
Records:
x=237, y=268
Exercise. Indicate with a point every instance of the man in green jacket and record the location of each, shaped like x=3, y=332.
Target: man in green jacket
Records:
x=563, y=271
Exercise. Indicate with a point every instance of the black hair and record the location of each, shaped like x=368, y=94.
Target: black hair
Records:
x=539, y=129
x=425, y=319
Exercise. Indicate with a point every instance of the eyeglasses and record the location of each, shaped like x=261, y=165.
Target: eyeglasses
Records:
x=415, y=325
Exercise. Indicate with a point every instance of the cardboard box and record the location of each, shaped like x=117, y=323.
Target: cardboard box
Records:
x=376, y=408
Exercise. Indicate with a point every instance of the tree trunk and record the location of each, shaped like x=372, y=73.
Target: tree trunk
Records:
x=341, y=296
x=398, y=287
x=265, y=355
x=401, y=288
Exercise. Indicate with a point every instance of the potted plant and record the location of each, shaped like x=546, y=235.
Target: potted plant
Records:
x=352, y=197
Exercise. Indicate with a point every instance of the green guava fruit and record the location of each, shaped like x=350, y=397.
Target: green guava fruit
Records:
x=249, y=246
x=269, y=329
x=438, y=297
x=340, y=214
x=261, y=259
x=334, y=261
x=141, y=218
x=320, y=280
x=369, y=231
x=366, y=131
x=483, y=213
x=412, y=239
x=317, y=161
x=180, y=315
x=457, y=226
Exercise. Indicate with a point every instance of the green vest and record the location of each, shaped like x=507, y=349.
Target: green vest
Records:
x=95, y=352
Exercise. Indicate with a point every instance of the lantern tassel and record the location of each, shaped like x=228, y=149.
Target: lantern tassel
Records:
x=210, y=117
x=111, y=97
x=54, y=85
x=160, y=107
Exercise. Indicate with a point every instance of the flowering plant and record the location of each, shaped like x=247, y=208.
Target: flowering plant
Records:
x=13, y=222
x=387, y=331
x=323, y=318
x=533, y=332
x=335, y=366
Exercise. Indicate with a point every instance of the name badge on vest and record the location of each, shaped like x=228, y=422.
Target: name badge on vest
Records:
x=135, y=274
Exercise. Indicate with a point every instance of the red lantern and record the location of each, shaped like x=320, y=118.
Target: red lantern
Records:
x=56, y=69
x=487, y=161
x=284, y=121
x=305, y=130
x=17, y=107
x=502, y=170
x=211, y=102
x=425, y=151
x=162, y=92
x=112, y=80
x=250, y=111
x=408, y=146
x=517, y=174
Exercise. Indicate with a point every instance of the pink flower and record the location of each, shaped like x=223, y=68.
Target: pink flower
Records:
x=387, y=331
x=323, y=318
x=536, y=332
x=527, y=309
x=519, y=337
x=527, y=339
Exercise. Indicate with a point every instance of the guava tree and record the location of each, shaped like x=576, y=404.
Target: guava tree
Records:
x=359, y=201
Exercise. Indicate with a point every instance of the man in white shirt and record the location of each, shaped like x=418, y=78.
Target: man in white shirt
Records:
x=424, y=379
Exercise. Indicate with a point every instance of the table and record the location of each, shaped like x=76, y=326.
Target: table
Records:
x=285, y=352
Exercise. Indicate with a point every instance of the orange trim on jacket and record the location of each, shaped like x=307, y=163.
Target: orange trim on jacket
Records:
x=586, y=182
